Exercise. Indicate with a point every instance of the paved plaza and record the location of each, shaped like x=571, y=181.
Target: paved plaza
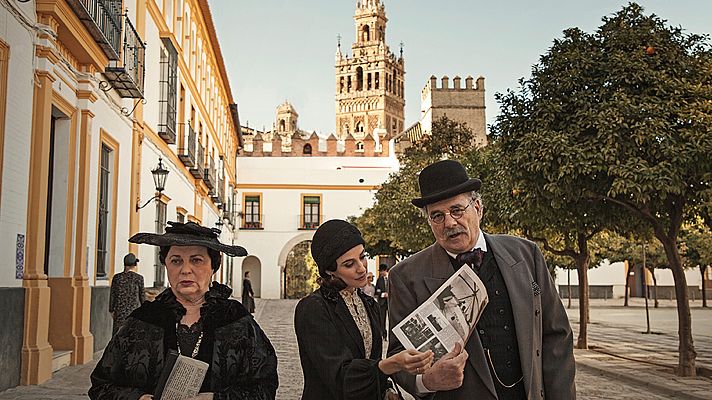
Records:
x=623, y=363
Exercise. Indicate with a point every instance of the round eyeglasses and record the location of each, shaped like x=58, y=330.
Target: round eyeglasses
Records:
x=438, y=217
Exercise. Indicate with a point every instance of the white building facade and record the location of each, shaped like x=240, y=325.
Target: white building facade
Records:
x=284, y=199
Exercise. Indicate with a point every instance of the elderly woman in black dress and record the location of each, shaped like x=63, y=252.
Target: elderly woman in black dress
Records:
x=196, y=318
x=337, y=326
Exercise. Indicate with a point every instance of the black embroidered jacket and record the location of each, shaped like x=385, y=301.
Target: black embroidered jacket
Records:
x=243, y=364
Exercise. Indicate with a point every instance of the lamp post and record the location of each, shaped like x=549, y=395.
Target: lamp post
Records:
x=160, y=174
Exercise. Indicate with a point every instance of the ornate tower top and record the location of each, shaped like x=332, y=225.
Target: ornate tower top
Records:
x=370, y=96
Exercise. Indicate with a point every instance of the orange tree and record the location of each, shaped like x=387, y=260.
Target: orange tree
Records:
x=621, y=118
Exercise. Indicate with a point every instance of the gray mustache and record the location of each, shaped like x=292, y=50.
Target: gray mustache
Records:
x=454, y=231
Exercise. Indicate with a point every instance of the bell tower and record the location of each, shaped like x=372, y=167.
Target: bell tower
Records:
x=370, y=96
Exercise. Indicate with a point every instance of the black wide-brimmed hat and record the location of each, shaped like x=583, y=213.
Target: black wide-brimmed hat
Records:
x=333, y=238
x=442, y=180
x=189, y=234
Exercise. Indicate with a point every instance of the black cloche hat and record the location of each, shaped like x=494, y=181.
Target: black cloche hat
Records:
x=442, y=180
x=189, y=234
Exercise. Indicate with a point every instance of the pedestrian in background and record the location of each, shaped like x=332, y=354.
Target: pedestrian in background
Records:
x=248, y=295
x=369, y=289
x=127, y=292
x=337, y=326
x=382, y=296
x=523, y=345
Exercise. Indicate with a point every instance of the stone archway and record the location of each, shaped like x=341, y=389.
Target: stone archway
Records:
x=300, y=272
x=254, y=266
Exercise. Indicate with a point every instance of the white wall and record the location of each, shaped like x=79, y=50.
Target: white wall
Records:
x=18, y=125
x=336, y=179
x=614, y=274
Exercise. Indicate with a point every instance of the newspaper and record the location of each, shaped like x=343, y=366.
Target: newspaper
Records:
x=447, y=317
x=185, y=378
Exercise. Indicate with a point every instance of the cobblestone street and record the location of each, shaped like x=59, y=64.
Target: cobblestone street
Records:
x=599, y=375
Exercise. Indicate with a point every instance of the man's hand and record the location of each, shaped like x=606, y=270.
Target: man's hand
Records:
x=448, y=372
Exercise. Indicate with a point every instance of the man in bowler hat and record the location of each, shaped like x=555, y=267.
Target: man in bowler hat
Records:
x=522, y=347
x=127, y=292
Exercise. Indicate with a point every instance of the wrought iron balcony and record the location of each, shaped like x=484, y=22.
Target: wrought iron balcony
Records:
x=252, y=221
x=209, y=177
x=127, y=77
x=198, y=169
x=228, y=214
x=221, y=191
x=186, y=152
x=310, y=222
x=102, y=18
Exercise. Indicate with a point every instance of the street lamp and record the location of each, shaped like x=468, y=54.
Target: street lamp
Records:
x=159, y=181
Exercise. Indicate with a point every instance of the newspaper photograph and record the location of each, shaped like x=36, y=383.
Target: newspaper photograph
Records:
x=447, y=317
x=185, y=379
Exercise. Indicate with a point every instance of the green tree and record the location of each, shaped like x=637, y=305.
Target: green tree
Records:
x=393, y=226
x=697, y=237
x=623, y=119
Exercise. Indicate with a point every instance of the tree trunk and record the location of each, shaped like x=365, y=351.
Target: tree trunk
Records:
x=582, y=261
x=703, y=269
x=627, y=283
x=686, y=346
x=568, y=277
x=655, y=286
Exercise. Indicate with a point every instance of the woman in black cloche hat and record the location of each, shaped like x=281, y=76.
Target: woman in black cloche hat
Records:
x=194, y=317
x=337, y=326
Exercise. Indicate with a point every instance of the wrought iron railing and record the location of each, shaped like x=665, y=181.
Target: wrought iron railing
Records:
x=221, y=190
x=252, y=221
x=310, y=221
x=128, y=78
x=186, y=152
x=209, y=178
x=200, y=159
x=102, y=18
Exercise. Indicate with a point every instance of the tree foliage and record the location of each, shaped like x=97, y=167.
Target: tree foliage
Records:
x=393, y=226
x=618, y=119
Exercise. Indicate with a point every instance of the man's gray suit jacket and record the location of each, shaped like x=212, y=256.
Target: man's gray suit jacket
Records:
x=543, y=331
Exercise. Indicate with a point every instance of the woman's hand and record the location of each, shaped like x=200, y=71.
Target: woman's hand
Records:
x=411, y=361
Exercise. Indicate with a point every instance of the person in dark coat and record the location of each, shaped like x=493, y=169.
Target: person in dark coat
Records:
x=127, y=292
x=522, y=347
x=338, y=326
x=248, y=295
x=194, y=317
x=382, y=296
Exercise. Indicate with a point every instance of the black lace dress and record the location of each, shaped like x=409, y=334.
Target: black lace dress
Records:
x=243, y=364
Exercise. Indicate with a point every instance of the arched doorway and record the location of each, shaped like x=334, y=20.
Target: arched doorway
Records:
x=300, y=272
x=254, y=266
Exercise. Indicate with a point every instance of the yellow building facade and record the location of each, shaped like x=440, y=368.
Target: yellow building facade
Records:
x=93, y=95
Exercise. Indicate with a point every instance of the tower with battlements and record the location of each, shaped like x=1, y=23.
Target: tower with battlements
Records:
x=462, y=104
x=370, y=83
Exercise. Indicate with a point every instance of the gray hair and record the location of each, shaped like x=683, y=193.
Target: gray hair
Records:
x=474, y=195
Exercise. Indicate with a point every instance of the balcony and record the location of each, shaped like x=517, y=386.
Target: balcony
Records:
x=186, y=151
x=198, y=170
x=102, y=18
x=252, y=221
x=219, y=197
x=127, y=77
x=209, y=175
x=228, y=214
x=310, y=222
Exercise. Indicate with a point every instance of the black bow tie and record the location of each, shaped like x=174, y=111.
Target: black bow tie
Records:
x=473, y=258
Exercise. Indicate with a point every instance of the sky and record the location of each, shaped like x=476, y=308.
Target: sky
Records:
x=277, y=50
